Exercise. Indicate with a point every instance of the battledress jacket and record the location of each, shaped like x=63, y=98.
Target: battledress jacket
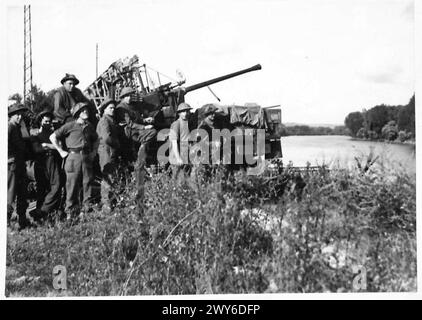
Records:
x=64, y=101
x=108, y=133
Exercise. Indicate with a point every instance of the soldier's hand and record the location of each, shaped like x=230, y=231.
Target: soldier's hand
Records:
x=149, y=120
x=63, y=153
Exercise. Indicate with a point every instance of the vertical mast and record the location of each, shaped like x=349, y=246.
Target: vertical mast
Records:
x=27, y=63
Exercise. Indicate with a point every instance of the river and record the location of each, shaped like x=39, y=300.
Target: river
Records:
x=342, y=150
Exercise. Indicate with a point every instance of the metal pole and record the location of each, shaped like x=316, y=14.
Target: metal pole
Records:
x=96, y=62
x=24, y=54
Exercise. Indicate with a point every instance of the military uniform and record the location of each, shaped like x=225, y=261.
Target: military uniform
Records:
x=108, y=149
x=142, y=137
x=48, y=173
x=17, y=182
x=80, y=140
x=180, y=132
x=64, y=101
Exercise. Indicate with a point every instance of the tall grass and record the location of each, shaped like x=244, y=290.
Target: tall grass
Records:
x=232, y=234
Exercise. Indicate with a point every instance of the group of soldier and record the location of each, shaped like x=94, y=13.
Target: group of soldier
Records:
x=65, y=154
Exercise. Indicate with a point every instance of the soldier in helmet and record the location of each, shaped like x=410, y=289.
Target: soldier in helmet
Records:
x=66, y=97
x=108, y=149
x=179, y=140
x=81, y=140
x=136, y=137
x=17, y=182
x=205, y=136
x=136, y=114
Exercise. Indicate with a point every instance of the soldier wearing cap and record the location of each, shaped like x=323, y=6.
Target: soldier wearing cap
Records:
x=179, y=140
x=47, y=167
x=136, y=136
x=81, y=140
x=17, y=182
x=66, y=97
x=108, y=149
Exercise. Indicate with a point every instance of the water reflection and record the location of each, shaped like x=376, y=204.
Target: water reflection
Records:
x=343, y=151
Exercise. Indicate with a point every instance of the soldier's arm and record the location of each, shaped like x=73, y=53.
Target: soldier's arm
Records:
x=95, y=144
x=56, y=143
x=108, y=137
x=59, y=110
x=173, y=137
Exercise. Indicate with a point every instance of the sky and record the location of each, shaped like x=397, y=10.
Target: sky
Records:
x=321, y=59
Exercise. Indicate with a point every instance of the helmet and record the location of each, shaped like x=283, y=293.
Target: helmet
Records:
x=105, y=103
x=69, y=76
x=126, y=91
x=15, y=108
x=209, y=108
x=183, y=106
x=78, y=108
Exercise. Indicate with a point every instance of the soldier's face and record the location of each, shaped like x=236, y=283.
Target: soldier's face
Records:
x=46, y=122
x=109, y=110
x=16, y=118
x=127, y=117
x=184, y=115
x=211, y=117
x=69, y=85
x=84, y=114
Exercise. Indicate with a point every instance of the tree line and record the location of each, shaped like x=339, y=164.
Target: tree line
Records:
x=384, y=122
x=305, y=130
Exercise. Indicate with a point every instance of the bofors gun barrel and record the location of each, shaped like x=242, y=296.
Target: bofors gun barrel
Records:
x=222, y=78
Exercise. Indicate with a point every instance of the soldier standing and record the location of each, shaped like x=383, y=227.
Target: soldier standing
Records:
x=108, y=149
x=82, y=142
x=179, y=140
x=47, y=167
x=17, y=182
x=66, y=97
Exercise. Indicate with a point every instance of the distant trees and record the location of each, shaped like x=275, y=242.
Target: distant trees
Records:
x=390, y=131
x=304, y=130
x=354, y=121
x=382, y=121
x=39, y=102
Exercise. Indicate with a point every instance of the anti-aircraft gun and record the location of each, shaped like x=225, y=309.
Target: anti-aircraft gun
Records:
x=160, y=101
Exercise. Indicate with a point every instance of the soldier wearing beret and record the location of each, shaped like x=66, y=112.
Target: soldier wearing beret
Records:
x=81, y=140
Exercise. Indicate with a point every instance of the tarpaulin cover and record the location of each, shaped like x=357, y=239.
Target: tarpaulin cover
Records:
x=250, y=116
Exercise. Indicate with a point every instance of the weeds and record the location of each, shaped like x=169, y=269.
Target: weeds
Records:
x=231, y=234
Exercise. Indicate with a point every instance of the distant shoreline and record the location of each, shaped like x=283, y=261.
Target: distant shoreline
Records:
x=409, y=142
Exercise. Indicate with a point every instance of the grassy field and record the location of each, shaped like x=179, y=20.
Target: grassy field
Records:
x=235, y=234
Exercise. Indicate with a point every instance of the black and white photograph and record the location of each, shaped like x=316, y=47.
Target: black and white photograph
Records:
x=209, y=148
